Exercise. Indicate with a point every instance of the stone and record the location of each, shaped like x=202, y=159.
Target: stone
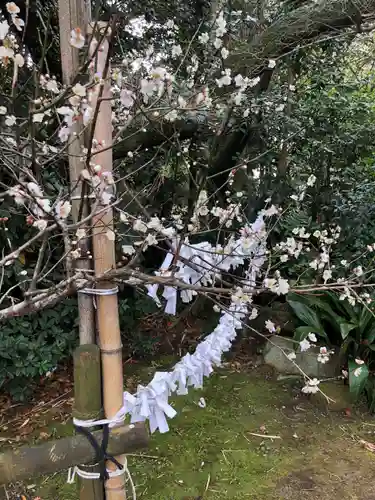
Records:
x=307, y=360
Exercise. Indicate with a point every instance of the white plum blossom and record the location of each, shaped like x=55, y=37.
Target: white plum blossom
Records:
x=253, y=314
x=176, y=50
x=311, y=180
x=271, y=63
x=10, y=120
x=12, y=8
x=327, y=275
x=238, y=98
x=358, y=271
x=128, y=249
x=155, y=223
x=18, y=22
x=203, y=38
x=4, y=28
x=283, y=287
x=38, y=117
x=110, y=234
x=171, y=116
x=270, y=326
x=87, y=115
x=17, y=193
x=292, y=355
x=5, y=54
x=311, y=386
x=3, y=110
x=225, y=79
x=359, y=361
x=312, y=337
x=81, y=233
x=34, y=189
x=221, y=25
x=224, y=53
x=64, y=134
x=168, y=232
x=218, y=43
x=139, y=226
x=304, y=345
x=151, y=240
x=280, y=286
x=357, y=372
x=79, y=90
x=77, y=39
x=127, y=98
x=323, y=356
x=40, y=224
x=62, y=209
x=239, y=80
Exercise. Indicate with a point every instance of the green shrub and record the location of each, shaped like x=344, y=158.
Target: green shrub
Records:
x=351, y=327
x=32, y=345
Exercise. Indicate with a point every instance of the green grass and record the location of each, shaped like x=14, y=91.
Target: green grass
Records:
x=209, y=452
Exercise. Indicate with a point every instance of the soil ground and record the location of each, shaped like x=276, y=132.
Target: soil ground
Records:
x=213, y=453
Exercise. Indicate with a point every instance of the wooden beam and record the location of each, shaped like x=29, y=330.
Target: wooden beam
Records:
x=58, y=455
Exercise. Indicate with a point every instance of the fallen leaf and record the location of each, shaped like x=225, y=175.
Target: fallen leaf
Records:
x=368, y=446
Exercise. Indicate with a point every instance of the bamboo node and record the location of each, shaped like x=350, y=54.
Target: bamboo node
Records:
x=99, y=291
x=111, y=351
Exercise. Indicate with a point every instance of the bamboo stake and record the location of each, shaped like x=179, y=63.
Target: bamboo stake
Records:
x=104, y=260
x=74, y=14
x=88, y=405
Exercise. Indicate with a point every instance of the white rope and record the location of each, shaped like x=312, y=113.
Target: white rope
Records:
x=111, y=422
x=150, y=402
x=84, y=474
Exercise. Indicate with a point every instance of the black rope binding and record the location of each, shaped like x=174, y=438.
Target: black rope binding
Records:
x=101, y=453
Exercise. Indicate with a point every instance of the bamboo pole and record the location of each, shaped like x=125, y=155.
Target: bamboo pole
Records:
x=76, y=14
x=58, y=455
x=104, y=260
x=88, y=405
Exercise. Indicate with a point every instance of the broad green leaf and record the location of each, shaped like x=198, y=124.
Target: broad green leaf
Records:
x=369, y=334
x=358, y=376
x=342, y=306
x=307, y=315
x=346, y=328
x=365, y=321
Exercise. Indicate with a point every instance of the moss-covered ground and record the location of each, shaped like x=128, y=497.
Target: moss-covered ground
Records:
x=212, y=452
